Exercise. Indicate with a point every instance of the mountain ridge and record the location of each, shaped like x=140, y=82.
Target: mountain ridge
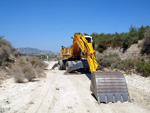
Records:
x=35, y=51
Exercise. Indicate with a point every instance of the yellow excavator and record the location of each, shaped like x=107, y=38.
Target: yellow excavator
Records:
x=106, y=86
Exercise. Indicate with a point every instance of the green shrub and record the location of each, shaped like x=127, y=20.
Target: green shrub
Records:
x=114, y=65
x=141, y=32
x=133, y=40
x=146, y=42
x=138, y=65
x=108, y=60
x=102, y=44
x=126, y=65
x=144, y=68
x=114, y=61
x=128, y=72
x=124, y=40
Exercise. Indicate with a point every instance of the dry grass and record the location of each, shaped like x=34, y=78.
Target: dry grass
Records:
x=29, y=72
x=18, y=74
x=29, y=67
x=21, y=73
x=5, y=52
x=22, y=67
x=40, y=72
x=35, y=61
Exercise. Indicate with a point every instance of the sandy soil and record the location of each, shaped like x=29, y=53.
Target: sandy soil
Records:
x=59, y=93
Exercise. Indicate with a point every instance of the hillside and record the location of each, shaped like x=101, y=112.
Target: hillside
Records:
x=129, y=52
x=34, y=51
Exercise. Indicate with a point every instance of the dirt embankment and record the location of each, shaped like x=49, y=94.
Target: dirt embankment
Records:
x=132, y=52
x=59, y=93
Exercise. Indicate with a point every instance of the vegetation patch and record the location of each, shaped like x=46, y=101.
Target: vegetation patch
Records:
x=5, y=51
x=122, y=40
x=23, y=68
x=138, y=65
x=28, y=68
x=146, y=42
x=144, y=68
x=18, y=74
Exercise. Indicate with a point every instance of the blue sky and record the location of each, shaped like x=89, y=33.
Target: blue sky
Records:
x=49, y=24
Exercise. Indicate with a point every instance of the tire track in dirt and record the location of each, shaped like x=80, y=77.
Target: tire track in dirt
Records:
x=43, y=96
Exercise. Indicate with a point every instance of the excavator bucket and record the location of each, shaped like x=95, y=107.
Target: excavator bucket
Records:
x=109, y=87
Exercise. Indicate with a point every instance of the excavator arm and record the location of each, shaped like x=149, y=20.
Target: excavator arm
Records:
x=88, y=51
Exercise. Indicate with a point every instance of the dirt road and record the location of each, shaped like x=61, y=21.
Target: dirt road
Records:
x=59, y=93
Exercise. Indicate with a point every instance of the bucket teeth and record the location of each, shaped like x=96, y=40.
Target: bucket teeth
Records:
x=113, y=99
x=109, y=87
x=105, y=98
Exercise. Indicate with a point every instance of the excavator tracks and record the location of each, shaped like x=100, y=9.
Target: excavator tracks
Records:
x=109, y=87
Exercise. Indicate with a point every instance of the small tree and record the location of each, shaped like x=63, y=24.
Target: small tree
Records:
x=141, y=32
x=132, y=29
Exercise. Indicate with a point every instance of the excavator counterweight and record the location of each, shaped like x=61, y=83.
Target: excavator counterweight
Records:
x=106, y=86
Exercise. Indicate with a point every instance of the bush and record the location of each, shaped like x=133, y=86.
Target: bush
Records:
x=26, y=66
x=141, y=32
x=29, y=68
x=40, y=72
x=138, y=65
x=23, y=72
x=4, y=42
x=29, y=72
x=144, y=68
x=5, y=51
x=35, y=61
x=146, y=42
x=109, y=60
x=18, y=74
x=126, y=65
